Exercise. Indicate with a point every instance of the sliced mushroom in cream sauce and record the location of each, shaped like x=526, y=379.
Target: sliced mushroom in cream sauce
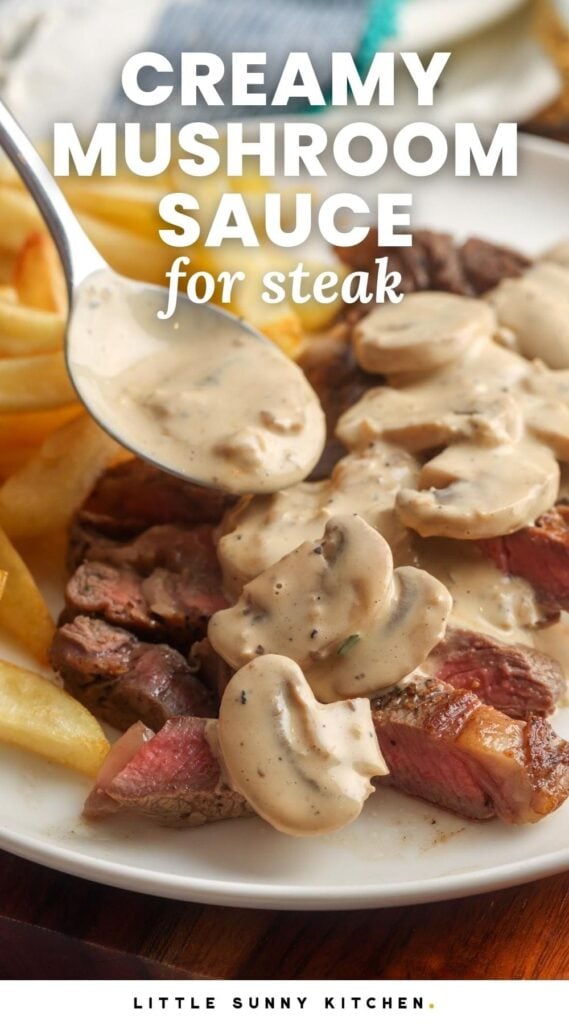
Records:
x=304, y=767
x=263, y=528
x=411, y=621
x=472, y=492
x=338, y=607
x=305, y=604
x=421, y=333
x=535, y=307
x=502, y=423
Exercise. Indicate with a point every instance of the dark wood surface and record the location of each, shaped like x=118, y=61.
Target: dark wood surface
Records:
x=56, y=926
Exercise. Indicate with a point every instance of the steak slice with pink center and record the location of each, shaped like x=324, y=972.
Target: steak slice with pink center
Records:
x=516, y=679
x=538, y=553
x=445, y=746
x=173, y=777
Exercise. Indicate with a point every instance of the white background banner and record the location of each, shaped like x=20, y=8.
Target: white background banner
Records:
x=204, y=1002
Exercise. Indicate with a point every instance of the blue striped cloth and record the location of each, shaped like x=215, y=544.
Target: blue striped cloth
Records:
x=276, y=27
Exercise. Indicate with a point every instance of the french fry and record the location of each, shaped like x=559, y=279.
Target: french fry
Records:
x=19, y=217
x=23, y=611
x=34, y=383
x=140, y=258
x=36, y=715
x=31, y=429
x=3, y=578
x=124, y=204
x=43, y=495
x=8, y=294
x=7, y=262
x=13, y=459
x=38, y=276
x=25, y=331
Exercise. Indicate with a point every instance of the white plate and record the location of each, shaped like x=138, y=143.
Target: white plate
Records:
x=434, y=24
x=401, y=850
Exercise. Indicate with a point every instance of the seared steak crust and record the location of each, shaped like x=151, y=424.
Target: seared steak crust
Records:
x=445, y=746
x=173, y=778
x=540, y=554
x=434, y=262
x=134, y=495
x=123, y=680
x=330, y=366
x=164, y=585
x=515, y=679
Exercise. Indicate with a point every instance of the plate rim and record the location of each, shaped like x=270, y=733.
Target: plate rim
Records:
x=490, y=17
x=276, y=896
x=283, y=896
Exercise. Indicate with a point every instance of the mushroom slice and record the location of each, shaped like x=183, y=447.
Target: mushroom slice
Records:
x=304, y=767
x=536, y=308
x=546, y=402
x=470, y=492
x=410, y=624
x=424, y=331
x=558, y=254
x=264, y=528
x=303, y=605
x=420, y=418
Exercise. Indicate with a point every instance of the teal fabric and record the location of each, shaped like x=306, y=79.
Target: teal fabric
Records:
x=381, y=25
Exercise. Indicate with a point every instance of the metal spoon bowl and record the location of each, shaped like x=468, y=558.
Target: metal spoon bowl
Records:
x=95, y=355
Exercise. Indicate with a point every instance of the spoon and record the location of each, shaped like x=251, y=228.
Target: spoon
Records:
x=202, y=394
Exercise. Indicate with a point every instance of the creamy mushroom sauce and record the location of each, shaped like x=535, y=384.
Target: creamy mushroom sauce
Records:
x=420, y=335
x=338, y=608
x=502, y=422
x=535, y=307
x=227, y=408
x=262, y=529
x=304, y=767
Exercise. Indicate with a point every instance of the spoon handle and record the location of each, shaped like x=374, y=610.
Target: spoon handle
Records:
x=78, y=254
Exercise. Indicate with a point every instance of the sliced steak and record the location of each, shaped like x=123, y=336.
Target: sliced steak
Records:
x=210, y=666
x=445, y=746
x=435, y=262
x=163, y=585
x=166, y=547
x=540, y=554
x=134, y=495
x=330, y=366
x=515, y=679
x=485, y=264
x=173, y=777
x=123, y=680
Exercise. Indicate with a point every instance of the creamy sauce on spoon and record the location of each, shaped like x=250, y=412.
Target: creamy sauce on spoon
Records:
x=203, y=396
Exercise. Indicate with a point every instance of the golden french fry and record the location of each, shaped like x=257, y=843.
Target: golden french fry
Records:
x=23, y=611
x=3, y=578
x=31, y=429
x=43, y=495
x=123, y=204
x=140, y=258
x=12, y=459
x=25, y=331
x=7, y=262
x=36, y=715
x=38, y=275
x=19, y=217
x=35, y=382
x=8, y=294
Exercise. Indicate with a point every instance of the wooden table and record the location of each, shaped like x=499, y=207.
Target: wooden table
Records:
x=55, y=926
